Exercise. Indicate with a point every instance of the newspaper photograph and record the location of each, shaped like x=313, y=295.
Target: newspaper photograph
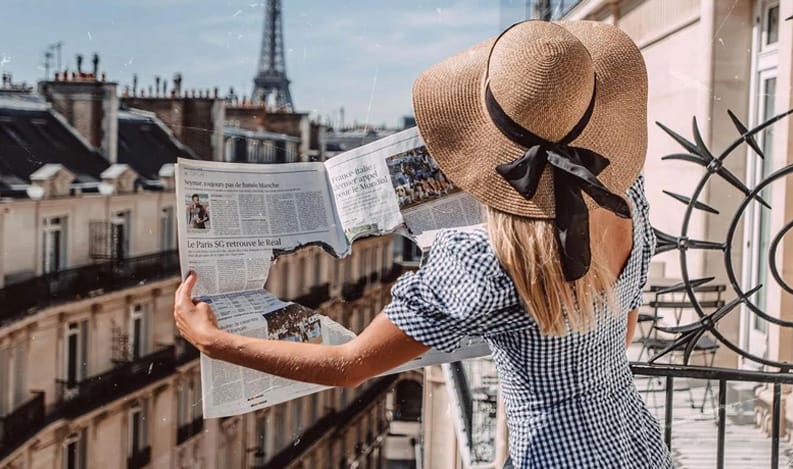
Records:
x=394, y=184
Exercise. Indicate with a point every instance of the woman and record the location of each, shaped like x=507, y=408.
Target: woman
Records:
x=546, y=125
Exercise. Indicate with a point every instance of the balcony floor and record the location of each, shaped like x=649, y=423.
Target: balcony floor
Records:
x=694, y=432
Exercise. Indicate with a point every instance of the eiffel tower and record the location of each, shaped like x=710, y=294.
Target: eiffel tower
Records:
x=271, y=77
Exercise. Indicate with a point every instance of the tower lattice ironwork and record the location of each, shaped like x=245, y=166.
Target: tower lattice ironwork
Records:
x=271, y=77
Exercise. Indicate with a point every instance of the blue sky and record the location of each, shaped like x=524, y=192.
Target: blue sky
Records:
x=359, y=54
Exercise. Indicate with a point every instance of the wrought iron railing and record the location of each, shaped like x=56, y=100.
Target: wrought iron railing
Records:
x=77, y=398
x=140, y=458
x=352, y=291
x=316, y=295
x=391, y=274
x=328, y=422
x=22, y=423
x=19, y=299
x=188, y=430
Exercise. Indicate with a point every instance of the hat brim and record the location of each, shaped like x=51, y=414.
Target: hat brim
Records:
x=449, y=105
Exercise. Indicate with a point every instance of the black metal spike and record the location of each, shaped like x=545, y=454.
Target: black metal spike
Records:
x=664, y=242
x=749, y=139
x=703, y=149
x=687, y=201
x=692, y=148
x=691, y=333
x=681, y=286
x=702, y=244
x=738, y=184
x=686, y=157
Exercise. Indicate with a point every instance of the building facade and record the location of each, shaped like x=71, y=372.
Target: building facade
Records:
x=94, y=374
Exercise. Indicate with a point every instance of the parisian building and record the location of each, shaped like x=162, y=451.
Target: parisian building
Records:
x=97, y=377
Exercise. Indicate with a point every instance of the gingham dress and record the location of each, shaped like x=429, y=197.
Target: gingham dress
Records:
x=570, y=401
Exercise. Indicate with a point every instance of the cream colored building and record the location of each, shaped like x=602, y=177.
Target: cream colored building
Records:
x=92, y=374
x=103, y=382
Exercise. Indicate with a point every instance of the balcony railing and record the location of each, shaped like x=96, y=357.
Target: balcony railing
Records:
x=185, y=351
x=139, y=458
x=328, y=422
x=390, y=274
x=22, y=423
x=352, y=291
x=76, y=399
x=317, y=295
x=75, y=284
x=189, y=430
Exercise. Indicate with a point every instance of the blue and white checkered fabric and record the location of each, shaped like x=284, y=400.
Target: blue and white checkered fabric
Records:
x=570, y=401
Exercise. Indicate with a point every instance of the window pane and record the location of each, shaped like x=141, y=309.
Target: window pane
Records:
x=772, y=25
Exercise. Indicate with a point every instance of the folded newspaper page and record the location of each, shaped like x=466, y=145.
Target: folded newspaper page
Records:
x=237, y=218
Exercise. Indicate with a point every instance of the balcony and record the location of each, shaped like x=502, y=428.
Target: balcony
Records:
x=22, y=423
x=391, y=274
x=28, y=296
x=327, y=423
x=189, y=430
x=185, y=351
x=76, y=399
x=352, y=291
x=317, y=295
x=139, y=458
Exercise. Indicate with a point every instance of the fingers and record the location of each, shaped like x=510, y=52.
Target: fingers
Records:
x=185, y=290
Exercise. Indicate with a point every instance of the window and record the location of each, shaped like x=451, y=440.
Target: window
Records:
x=167, y=233
x=261, y=453
x=137, y=430
x=771, y=25
x=74, y=451
x=317, y=269
x=19, y=376
x=138, y=331
x=54, y=244
x=5, y=406
x=120, y=235
x=76, y=353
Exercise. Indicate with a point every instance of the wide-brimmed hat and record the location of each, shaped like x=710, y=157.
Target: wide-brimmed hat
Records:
x=571, y=95
x=543, y=75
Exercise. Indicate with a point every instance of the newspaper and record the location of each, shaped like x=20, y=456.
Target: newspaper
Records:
x=238, y=218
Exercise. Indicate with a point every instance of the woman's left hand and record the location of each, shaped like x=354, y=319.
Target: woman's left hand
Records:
x=195, y=321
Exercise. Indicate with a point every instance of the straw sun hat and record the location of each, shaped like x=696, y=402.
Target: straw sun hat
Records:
x=529, y=121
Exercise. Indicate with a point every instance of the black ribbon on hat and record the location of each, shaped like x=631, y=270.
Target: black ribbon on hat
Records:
x=575, y=170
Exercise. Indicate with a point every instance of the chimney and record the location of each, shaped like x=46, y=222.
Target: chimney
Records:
x=90, y=106
x=177, y=84
x=79, y=63
x=95, y=61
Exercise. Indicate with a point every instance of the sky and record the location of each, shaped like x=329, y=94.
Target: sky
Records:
x=357, y=54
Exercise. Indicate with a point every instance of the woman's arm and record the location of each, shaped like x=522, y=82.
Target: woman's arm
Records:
x=633, y=318
x=380, y=347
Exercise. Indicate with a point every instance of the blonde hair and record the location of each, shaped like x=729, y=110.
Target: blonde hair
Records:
x=528, y=251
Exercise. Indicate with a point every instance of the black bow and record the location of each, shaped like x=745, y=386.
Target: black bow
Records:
x=575, y=170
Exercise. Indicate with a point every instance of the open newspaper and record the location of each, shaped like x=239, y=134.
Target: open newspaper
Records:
x=237, y=218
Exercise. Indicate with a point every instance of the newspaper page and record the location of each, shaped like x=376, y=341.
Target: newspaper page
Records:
x=394, y=183
x=235, y=216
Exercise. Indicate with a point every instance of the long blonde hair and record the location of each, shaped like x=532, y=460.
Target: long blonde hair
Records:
x=528, y=251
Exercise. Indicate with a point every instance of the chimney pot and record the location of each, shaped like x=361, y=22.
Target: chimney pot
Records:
x=216, y=92
x=95, y=61
x=79, y=63
x=104, y=76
